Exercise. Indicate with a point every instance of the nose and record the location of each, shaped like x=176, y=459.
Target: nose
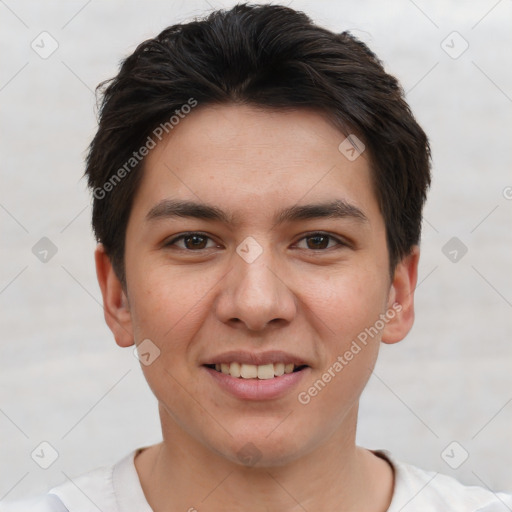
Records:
x=255, y=295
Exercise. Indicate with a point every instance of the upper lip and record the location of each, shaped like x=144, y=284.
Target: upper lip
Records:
x=256, y=358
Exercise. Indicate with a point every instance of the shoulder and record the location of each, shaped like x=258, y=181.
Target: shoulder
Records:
x=110, y=488
x=48, y=503
x=429, y=491
x=87, y=493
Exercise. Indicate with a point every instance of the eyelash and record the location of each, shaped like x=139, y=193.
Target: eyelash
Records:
x=172, y=242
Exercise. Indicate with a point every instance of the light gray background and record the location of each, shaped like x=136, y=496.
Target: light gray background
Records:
x=62, y=378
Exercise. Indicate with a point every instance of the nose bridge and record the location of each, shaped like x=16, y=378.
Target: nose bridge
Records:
x=255, y=292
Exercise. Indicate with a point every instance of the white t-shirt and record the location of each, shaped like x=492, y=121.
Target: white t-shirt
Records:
x=117, y=489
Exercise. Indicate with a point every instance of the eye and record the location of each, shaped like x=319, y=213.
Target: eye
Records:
x=320, y=241
x=196, y=241
x=191, y=241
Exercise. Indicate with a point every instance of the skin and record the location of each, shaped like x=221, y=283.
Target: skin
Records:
x=310, y=298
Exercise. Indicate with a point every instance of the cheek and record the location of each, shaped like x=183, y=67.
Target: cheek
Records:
x=166, y=302
x=346, y=303
x=347, y=307
x=169, y=309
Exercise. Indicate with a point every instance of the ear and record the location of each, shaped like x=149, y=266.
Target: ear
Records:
x=115, y=303
x=401, y=298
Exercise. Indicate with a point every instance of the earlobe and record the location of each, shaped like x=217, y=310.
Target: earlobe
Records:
x=401, y=298
x=116, y=307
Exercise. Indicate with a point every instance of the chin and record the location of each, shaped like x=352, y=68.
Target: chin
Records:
x=263, y=450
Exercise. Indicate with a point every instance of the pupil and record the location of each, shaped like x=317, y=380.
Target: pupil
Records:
x=317, y=238
x=195, y=238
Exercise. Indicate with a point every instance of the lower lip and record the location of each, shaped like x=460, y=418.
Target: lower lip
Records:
x=258, y=389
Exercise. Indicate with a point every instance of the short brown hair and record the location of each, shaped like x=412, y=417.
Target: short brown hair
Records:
x=270, y=56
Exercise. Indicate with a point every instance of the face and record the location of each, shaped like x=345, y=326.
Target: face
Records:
x=281, y=266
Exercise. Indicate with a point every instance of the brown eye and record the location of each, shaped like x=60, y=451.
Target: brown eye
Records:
x=320, y=241
x=191, y=241
x=195, y=242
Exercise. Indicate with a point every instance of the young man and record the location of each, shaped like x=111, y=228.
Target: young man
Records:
x=258, y=186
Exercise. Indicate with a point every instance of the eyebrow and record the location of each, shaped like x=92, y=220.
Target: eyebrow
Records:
x=337, y=209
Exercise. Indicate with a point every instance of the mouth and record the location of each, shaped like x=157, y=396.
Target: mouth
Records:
x=256, y=372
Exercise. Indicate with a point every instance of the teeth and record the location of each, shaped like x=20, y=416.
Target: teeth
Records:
x=249, y=371
x=266, y=371
x=252, y=371
x=278, y=369
x=235, y=370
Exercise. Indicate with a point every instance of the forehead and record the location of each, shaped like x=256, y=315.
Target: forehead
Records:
x=250, y=161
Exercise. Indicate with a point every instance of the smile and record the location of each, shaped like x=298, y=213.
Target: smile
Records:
x=252, y=371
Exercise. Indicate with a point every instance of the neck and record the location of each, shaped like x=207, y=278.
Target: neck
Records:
x=182, y=474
